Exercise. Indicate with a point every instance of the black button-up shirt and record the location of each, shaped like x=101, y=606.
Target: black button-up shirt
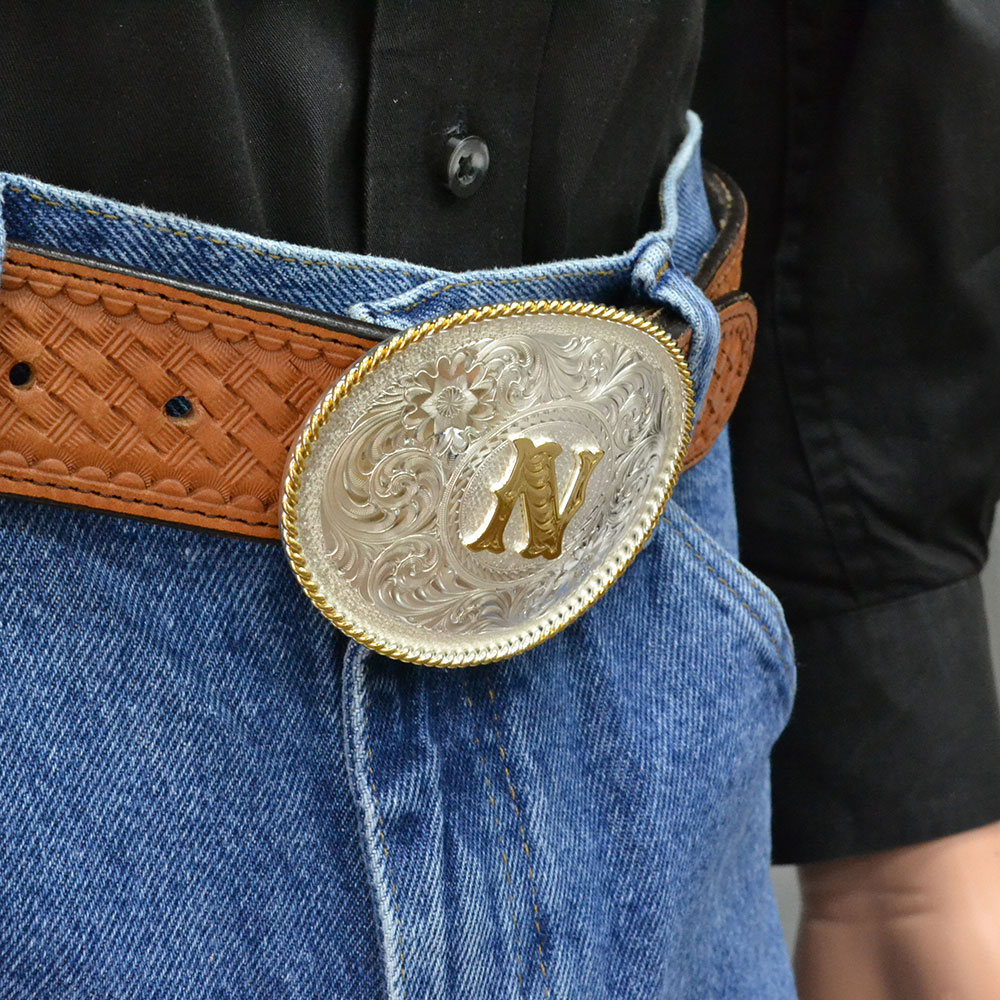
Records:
x=867, y=446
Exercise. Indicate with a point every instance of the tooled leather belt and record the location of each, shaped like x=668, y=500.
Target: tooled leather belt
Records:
x=135, y=394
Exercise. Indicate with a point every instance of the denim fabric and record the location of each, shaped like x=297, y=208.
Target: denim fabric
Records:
x=208, y=792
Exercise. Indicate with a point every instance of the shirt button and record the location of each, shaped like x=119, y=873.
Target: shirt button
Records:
x=468, y=163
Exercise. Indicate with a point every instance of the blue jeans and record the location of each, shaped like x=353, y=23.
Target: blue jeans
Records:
x=209, y=792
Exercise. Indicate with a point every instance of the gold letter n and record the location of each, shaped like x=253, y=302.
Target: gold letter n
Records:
x=533, y=477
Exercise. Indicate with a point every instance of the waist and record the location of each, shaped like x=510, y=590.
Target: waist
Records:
x=160, y=367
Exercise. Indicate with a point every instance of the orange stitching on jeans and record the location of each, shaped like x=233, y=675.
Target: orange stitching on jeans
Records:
x=503, y=853
x=385, y=853
x=499, y=281
x=736, y=566
x=209, y=239
x=303, y=260
x=732, y=590
x=524, y=842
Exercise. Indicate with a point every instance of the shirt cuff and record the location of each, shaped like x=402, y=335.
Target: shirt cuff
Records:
x=894, y=738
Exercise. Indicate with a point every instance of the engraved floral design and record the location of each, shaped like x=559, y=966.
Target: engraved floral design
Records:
x=413, y=479
x=448, y=402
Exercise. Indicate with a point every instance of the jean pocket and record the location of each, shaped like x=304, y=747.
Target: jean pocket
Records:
x=731, y=599
x=613, y=778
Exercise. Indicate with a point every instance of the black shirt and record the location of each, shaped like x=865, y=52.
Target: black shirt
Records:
x=867, y=444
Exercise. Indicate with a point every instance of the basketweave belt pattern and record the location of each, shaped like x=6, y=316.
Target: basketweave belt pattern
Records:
x=90, y=359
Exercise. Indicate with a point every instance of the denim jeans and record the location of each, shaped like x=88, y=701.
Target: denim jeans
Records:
x=207, y=791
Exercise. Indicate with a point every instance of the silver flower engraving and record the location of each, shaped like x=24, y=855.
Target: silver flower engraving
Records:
x=447, y=402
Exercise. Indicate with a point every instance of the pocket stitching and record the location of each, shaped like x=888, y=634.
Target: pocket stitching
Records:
x=731, y=589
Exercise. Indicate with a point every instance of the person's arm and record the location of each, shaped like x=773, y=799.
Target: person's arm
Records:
x=917, y=922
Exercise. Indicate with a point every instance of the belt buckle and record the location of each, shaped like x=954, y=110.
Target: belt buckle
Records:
x=471, y=486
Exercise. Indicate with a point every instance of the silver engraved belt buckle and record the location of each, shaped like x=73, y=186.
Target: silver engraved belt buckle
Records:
x=471, y=486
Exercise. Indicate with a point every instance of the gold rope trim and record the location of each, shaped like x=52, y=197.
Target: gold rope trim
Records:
x=382, y=353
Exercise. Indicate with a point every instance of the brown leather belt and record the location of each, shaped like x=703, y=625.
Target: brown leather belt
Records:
x=137, y=395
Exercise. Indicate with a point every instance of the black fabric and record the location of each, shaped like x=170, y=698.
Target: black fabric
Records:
x=877, y=756
x=867, y=447
x=867, y=443
x=327, y=123
x=249, y=116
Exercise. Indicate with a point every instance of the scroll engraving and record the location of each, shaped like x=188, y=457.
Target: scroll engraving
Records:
x=427, y=517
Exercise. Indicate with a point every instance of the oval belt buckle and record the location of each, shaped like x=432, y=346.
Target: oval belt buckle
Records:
x=471, y=486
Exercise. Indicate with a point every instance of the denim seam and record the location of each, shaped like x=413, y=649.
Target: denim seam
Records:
x=536, y=915
x=318, y=263
x=356, y=707
x=669, y=190
x=739, y=569
x=499, y=281
x=385, y=850
x=215, y=310
x=757, y=618
x=49, y=203
x=503, y=853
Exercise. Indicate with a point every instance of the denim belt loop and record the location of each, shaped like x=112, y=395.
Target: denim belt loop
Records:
x=665, y=261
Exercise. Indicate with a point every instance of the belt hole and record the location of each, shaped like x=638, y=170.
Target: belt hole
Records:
x=21, y=375
x=178, y=407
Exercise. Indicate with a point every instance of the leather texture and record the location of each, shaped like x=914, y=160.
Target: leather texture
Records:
x=719, y=275
x=738, y=319
x=108, y=349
